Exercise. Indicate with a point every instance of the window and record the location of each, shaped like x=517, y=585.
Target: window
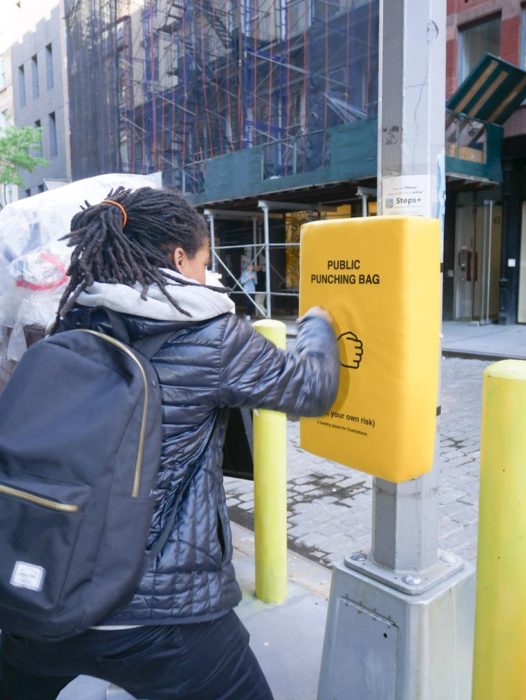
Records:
x=34, y=76
x=52, y=135
x=21, y=86
x=38, y=149
x=49, y=67
x=474, y=42
x=28, y=192
x=41, y=188
x=523, y=38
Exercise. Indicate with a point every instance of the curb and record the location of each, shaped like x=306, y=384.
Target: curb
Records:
x=479, y=355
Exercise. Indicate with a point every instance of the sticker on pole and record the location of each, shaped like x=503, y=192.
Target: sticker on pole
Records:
x=380, y=279
x=406, y=195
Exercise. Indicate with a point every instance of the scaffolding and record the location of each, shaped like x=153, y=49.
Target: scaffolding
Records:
x=167, y=85
x=259, y=251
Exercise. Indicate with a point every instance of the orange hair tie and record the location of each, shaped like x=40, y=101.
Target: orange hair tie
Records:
x=123, y=210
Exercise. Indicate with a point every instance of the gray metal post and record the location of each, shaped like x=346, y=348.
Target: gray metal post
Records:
x=410, y=143
x=211, y=221
x=401, y=616
x=485, y=282
x=255, y=237
x=364, y=205
x=266, y=233
x=365, y=193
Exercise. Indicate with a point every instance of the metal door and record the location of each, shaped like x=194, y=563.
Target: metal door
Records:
x=488, y=231
x=521, y=311
x=477, y=261
x=465, y=263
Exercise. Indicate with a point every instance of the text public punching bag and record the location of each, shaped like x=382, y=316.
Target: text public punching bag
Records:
x=380, y=279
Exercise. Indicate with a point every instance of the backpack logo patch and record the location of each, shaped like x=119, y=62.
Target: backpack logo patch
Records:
x=28, y=576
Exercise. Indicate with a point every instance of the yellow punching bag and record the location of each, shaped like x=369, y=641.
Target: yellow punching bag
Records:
x=380, y=279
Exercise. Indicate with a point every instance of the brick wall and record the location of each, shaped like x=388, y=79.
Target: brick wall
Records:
x=451, y=67
x=461, y=6
x=510, y=31
x=463, y=12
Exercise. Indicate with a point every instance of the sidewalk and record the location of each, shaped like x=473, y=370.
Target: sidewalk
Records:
x=492, y=341
x=287, y=639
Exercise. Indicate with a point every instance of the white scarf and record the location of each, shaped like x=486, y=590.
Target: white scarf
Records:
x=200, y=302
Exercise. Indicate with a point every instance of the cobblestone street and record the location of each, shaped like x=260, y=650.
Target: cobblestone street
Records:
x=329, y=506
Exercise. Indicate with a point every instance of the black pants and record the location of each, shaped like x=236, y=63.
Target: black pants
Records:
x=204, y=661
x=249, y=304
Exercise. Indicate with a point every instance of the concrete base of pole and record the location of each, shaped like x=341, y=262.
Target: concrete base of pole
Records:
x=383, y=644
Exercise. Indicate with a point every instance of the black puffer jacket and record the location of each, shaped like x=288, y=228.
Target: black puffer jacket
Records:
x=204, y=368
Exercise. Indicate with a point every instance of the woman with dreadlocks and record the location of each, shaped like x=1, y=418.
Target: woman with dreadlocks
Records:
x=139, y=269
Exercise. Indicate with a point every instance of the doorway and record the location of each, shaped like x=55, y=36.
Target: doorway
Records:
x=521, y=310
x=478, y=234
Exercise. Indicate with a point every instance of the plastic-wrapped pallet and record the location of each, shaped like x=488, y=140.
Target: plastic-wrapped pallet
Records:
x=34, y=259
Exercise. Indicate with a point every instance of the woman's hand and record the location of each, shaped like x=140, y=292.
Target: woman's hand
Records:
x=320, y=312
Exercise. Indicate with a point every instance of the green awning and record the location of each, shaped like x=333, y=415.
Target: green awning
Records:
x=491, y=92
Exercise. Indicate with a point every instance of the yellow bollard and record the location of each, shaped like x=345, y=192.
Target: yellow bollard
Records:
x=270, y=489
x=500, y=617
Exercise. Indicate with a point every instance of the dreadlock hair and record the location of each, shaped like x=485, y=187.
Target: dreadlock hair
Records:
x=127, y=244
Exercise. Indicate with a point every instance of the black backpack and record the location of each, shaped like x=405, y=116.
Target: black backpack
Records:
x=80, y=441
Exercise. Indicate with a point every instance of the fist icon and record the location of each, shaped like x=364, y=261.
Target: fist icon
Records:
x=351, y=350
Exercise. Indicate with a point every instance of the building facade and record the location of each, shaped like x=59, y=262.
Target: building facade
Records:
x=11, y=16
x=485, y=257
x=264, y=113
x=38, y=73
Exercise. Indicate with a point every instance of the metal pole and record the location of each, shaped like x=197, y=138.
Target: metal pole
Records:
x=486, y=262
x=488, y=205
x=212, y=242
x=266, y=233
x=410, y=144
x=365, y=193
x=490, y=243
x=257, y=301
x=270, y=489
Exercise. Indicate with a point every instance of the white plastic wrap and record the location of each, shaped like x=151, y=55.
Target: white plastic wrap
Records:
x=33, y=261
